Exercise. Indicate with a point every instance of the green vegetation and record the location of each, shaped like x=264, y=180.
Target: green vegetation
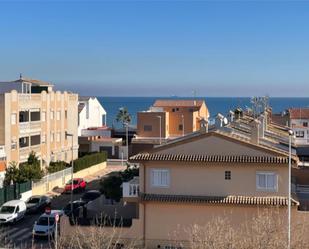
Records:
x=123, y=116
x=89, y=160
x=28, y=171
x=57, y=166
x=111, y=186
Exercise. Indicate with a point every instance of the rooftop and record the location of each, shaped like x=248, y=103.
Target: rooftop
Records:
x=178, y=103
x=238, y=200
x=299, y=113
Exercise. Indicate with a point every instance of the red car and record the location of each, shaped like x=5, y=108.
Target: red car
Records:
x=78, y=185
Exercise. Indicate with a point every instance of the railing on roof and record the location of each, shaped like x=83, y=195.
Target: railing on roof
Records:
x=131, y=188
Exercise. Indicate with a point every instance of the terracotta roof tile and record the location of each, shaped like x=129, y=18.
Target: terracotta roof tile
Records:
x=177, y=103
x=239, y=200
x=299, y=113
x=210, y=158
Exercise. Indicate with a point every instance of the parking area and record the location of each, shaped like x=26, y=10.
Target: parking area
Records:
x=19, y=235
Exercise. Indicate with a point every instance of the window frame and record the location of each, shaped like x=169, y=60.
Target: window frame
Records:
x=148, y=130
x=267, y=173
x=152, y=178
x=228, y=175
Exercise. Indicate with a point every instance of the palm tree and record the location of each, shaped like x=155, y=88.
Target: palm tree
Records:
x=123, y=116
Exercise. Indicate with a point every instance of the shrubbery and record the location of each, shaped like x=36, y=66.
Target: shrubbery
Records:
x=111, y=186
x=57, y=166
x=89, y=160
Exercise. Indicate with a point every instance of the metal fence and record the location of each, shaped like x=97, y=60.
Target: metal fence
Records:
x=12, y=192
x=44, y=182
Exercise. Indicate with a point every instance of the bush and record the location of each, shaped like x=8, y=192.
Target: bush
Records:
x=57, y=166
x=89, y=160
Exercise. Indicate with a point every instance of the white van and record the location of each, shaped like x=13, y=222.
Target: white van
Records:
x=12, y=211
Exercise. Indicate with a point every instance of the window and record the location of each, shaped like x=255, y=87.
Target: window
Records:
x=58, y=115
x=65, y=114
x=173, y=110
x=52, y=137
x=305, y=124
x=227, y=175
x=43, y=139
x=299, y=133
x=52, y=115
x=58, y=136
x=266, y=181
x=13, y=145
x=13, y=118
x=43, y=116
x=147, y=127
x=160, y=177
x=180, y=127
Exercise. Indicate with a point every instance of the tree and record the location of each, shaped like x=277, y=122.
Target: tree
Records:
x=11, y=174
x=110, y=187
x=123, y=116
x=31, y=170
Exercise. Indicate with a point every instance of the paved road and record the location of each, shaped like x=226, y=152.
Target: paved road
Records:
x=20, y=234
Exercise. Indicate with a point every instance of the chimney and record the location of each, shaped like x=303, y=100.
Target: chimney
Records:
x=204, y=126
x=231, y=116
x=255, y=131
x=219, y=120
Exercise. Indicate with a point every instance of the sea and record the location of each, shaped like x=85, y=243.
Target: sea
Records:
x=215, y=105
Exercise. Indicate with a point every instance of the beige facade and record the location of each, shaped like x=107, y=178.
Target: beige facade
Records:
x=37, y=120
x=193, y=180
x=178, y=118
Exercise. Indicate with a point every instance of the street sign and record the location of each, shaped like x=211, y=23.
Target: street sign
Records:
x=47, y=210
x=57, y=217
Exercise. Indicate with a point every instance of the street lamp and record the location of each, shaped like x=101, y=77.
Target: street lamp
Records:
x=72, y=172
x=160, y=118
x=183, y=124
x=291, y=134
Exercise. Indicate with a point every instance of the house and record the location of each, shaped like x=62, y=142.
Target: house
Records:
x=203, y=175
x=34, y=117
x=298, y=122
x=167, y=120
x=90, y=113
x=98, y=139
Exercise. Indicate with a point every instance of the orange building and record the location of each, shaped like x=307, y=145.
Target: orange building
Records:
x=166, y=120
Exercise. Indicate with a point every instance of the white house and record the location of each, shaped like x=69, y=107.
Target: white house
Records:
x=299, y=122
x=90, y=113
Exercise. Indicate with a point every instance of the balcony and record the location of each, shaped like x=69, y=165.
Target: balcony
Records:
x=28, y=127
x=25, y=151
x=131, y=189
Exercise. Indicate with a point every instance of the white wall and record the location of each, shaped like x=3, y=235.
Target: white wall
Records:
x=299, y=128
x=91, y=115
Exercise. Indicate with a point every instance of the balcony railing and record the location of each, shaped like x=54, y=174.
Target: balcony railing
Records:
x=25, y=151
x=27, y=127
x=131, y=188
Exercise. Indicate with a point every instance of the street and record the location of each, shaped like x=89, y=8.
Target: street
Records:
x=19, y=235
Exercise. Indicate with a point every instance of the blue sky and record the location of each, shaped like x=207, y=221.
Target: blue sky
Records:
x=159, y=48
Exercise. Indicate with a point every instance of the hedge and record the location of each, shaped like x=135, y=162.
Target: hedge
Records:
x=89, y=160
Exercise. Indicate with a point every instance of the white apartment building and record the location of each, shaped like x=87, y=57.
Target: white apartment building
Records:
x=34, y=117
x=90, y=114
x=299, y=122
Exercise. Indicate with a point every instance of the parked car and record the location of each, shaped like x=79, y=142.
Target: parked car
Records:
x=76, y=206
x=91, y=195
x=78, y=185
x=45, y=226
x=37, y=203
x=12, y=211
